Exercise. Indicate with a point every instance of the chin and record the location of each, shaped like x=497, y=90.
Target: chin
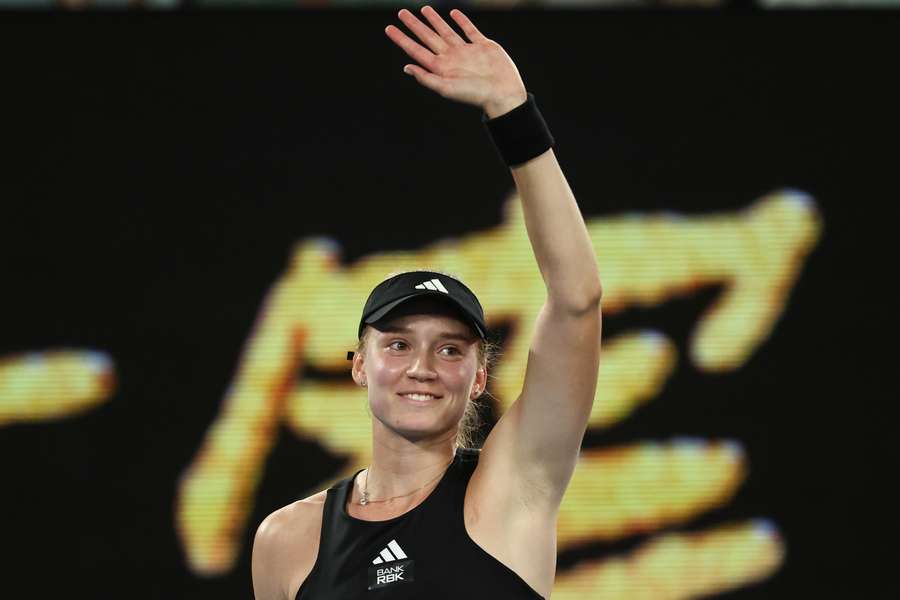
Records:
x=415, y=427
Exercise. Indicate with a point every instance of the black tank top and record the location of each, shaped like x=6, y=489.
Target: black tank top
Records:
x=425, y=553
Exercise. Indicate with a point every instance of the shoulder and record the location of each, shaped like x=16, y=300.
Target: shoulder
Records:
x=285, y=548
x=288, y=518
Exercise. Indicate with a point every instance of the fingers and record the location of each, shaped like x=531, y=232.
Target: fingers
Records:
x=440, y=25
x=422, y=31
x=414, y=50
x=467, y=26
x=436, y=42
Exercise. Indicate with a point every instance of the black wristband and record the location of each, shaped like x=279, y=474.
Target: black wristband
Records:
x=521, y=134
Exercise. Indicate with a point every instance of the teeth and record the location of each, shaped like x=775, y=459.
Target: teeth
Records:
x=420, y=397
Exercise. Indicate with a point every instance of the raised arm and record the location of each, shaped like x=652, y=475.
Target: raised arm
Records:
x=552, y=412
x=540, y=436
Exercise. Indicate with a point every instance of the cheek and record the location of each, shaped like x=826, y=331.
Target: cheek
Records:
x=459, y=377
x=385, y=372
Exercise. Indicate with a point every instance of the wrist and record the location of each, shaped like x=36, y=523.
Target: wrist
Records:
x=520, y=134
x=496, y=108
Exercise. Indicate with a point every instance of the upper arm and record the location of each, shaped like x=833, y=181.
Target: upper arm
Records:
x=266, y=568
x=539, y=437
x=285, y=548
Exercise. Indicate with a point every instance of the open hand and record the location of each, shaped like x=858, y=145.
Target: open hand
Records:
x=478, y=72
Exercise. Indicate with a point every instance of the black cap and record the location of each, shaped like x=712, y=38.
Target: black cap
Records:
x=393, y=292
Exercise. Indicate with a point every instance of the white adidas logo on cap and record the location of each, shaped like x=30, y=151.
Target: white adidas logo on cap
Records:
x=434, y=284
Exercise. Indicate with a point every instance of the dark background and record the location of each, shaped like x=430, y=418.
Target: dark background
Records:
x=158, y=170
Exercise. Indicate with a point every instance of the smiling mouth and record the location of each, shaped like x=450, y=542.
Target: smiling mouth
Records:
x=420, y=397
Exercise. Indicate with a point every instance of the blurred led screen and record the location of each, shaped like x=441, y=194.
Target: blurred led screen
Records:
x=195, y=234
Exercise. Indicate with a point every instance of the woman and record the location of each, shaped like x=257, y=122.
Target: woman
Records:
x=428, y=519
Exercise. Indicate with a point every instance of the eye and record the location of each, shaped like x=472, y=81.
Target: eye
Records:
x=450, y=351
x=397, y=345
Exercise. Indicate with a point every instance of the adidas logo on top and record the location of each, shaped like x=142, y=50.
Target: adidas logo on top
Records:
x=391, y=567
x=434, y=284
x=391, y=552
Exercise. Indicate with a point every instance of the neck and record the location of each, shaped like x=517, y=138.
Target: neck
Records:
x=399, y=465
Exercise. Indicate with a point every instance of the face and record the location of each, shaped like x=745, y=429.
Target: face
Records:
x=421, y=367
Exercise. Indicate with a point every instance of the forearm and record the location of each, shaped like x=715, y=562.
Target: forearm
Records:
x=558, y=234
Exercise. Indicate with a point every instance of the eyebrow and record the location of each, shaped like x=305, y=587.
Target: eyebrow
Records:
x=445, y=335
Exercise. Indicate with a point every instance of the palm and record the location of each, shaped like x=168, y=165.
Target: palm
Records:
x=479, y=73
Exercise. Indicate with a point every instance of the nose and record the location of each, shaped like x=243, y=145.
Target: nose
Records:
x=420, y=367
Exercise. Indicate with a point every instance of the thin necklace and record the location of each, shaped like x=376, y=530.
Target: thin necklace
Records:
x=365, y=493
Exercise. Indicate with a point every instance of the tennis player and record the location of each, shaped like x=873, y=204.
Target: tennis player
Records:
x=430, y=517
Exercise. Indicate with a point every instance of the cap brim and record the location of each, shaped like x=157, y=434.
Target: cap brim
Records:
x=384, y=310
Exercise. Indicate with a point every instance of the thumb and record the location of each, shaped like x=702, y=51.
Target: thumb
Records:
x=429, y=80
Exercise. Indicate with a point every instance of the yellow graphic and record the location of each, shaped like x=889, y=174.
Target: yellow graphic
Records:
x=41, y=386
x=309, y=318
x=643, y=487
x=679, y=566
x=754, y=257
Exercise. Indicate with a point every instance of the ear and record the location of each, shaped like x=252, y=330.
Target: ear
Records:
x=358, y=370
x=480, y=383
